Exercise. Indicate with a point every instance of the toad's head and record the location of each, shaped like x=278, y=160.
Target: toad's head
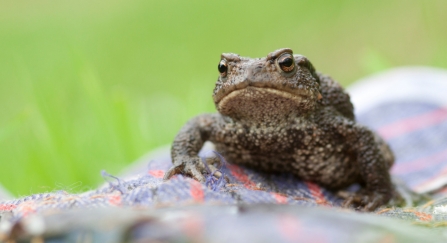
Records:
x=279, y=86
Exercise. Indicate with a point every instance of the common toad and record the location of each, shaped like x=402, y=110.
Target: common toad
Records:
x=277, y=114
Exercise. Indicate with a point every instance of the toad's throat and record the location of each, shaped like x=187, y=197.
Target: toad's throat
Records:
x=263, y=104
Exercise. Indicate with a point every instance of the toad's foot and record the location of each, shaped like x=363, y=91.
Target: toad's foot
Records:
x=192, y=167
x=196, y=168
x=365, y=201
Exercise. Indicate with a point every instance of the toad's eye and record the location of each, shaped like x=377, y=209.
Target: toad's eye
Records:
x=223, y=68
x=286, y=62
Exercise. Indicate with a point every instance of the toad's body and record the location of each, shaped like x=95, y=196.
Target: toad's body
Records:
x=277, y=114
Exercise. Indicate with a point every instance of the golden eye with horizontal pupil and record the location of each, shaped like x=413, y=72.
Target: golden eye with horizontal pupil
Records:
x=223, y=68
x=286, y=62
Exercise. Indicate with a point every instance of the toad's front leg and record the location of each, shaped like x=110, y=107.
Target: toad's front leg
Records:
x=373, y=167
x=187, y=144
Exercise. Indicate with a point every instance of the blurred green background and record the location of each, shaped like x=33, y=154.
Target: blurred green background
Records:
x=88, y=85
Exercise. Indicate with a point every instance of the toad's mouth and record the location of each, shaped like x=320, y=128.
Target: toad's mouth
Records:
x=287, y=92
x=263, y=103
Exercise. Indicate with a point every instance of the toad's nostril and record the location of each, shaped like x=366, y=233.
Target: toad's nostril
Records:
x=254, y=70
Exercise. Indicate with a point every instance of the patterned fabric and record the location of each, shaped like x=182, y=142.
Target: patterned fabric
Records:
x=255, y=206
x=419, y=139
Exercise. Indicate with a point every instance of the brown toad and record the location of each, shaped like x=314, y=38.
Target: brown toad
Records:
x=278, y=114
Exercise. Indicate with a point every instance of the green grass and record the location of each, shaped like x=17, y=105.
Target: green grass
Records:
x=91, y=85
